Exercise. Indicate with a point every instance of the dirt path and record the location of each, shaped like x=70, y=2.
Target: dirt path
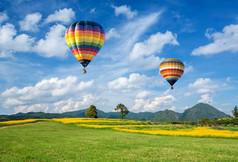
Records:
x=17, y=125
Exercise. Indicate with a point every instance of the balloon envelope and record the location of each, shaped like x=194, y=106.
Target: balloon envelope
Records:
x=171, y=69
x=85, y=39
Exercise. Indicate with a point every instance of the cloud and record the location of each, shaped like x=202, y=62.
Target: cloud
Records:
x=158, y=103
x=173, y=108
x=125, y=10
x=129, y=33
x=206, y=98
x=74, y=104
x=204, y=85
x=71, y=104
x=209, y=32
x=143, y=53
x=3, y=17
x=134, y=81
x=188, y=69
x=64, y=16
x=54, y=43
x=30, y=22
x=32, y=108
x=231, y=80
x=124, y=84
x=187, y=94
x=225, y=41
x=10, y=42
x=143, y=94
x=92, y=10
x=112, y=33
x=46, y=91
x=153, y=45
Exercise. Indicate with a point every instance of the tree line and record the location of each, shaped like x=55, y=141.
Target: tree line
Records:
x=121, y=108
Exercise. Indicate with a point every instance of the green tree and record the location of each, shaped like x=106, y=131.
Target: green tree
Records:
x=205, y=122
x=235, y=112
x=3, y=119
x=92, y=112
x=122, y=109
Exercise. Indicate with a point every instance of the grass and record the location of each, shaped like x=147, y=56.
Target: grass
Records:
x=53, y=141
x=231, y=128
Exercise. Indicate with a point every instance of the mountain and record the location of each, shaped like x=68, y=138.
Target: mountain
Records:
x=195, y=113
x=35, y=115
x=167, y=115
x=143, y=116
x=79, y=113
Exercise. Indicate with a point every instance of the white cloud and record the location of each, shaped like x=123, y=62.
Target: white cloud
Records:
x=84, y=85
x=231, y=80
x=225, y=41
x=153, y=45
x=139, y=105
x=143, y=94
x=209, y=32
x=173, y=108
x=112, y=33
x=30, y=23
x=54, y=43
x=3, y=17
x=92, y=10
x=32, y=108
x=187, y=94
x=74, y=104
x=45, y=91
x=159, y=103
x=143, y=53
x=228, y=79
x=206, y=98
x=125, y=10
x=129, y=33
x=13, y=102
x=189, y=69
x=135, y=81
x=186, y=107
x=10, y=42
x=124, y=84
x=71, y=104
x=204, y=85
x=64, y=16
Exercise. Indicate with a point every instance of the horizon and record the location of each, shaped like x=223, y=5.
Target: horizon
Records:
x=38, y=72
x=115, y=111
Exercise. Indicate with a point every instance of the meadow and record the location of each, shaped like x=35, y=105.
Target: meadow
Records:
x=80, y=140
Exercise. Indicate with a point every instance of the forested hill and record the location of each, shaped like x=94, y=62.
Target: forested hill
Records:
x=194, y=113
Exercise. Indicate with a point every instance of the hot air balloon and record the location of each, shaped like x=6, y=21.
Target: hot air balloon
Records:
x=85, y=39
x=171, y=69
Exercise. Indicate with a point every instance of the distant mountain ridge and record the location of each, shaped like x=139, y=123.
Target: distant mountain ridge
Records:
x=195, y=113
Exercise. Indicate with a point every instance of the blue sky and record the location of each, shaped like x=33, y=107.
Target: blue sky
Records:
x=38, y=72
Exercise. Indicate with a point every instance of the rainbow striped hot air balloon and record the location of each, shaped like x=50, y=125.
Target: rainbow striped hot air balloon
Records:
x=171, y=69
x=85, y=39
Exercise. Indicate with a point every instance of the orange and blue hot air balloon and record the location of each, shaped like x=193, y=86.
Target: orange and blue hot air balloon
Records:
x=171, y=69
x=85, y=39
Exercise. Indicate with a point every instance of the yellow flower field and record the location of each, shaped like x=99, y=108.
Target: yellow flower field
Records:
x=109, y=126
x=12, y=122
x=197, y=131
x=92, y=120
x=138, y=127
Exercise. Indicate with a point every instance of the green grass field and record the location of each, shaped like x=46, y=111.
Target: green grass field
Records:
x=53, y=141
